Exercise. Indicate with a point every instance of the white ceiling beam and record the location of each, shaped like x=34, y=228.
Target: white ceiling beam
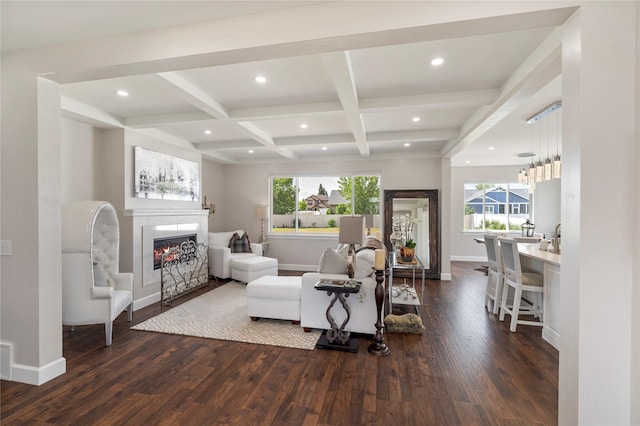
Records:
x=227, y=144
x=338, y=66
x=192, y=94
x=80, y=111
x=279, y=111
x=414, y=136
x=219, y=157
x=165, y=137
x=315, y=140
x=201, y=100
x=468, y=98
x=542, y=66
x=154, y=120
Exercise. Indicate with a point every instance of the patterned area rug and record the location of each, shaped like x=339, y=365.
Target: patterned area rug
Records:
x=222, y=314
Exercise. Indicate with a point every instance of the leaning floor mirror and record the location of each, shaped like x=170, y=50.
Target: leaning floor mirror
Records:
x=420, y=208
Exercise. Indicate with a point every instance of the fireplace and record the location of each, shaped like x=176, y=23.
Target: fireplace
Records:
x=162, y=245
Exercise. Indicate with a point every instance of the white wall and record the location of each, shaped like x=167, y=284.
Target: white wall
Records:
x=247, y=186
x=79, y=161
x=213, y=184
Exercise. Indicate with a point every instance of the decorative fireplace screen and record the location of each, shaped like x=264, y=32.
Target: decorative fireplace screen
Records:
x=185, y=268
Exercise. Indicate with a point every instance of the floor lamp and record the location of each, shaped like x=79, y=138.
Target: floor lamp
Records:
x=351, y=233
x=262, y=214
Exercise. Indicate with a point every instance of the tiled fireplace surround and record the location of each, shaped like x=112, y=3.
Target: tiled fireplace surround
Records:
x=144, y=225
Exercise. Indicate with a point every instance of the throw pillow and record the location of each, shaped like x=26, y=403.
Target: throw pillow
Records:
x=365, y=261
x=407, y=323
x=240, y=244
x=333, y=262
x=99, y=276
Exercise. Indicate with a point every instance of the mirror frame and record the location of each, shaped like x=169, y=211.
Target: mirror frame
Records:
x=433, y=272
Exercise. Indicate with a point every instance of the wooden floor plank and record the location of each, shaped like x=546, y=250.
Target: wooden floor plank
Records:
x=467, y=368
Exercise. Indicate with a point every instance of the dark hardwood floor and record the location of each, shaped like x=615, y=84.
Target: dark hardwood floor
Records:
x=467, y=368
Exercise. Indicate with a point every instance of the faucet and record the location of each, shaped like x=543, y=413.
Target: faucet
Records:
x=556, y=239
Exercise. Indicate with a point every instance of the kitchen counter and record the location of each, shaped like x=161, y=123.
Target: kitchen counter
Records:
x=548, y=264
x=533, y=251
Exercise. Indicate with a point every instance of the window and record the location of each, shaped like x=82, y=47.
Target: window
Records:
x=482, y=201
x=314, y=204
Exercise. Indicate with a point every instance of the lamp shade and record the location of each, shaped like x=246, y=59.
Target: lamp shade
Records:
x=262, y=212
x=351, y=230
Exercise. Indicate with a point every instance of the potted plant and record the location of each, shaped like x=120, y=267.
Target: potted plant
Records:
x=407, y=251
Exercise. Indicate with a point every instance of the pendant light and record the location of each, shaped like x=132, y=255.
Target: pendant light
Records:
x=557, y=163
x=550, y=169
x=548, y=166
x=539, y=166
x=531, y=173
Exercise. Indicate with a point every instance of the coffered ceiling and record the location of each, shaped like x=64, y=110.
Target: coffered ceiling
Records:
x=370, y=103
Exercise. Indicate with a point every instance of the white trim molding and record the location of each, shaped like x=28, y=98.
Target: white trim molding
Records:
x=6, y=358
x=146, y=301
x=468, y=258
x=38, y=375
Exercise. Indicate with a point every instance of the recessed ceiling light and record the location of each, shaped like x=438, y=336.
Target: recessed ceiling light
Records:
x=250, y=151
x=437, y=61
x=304, y=126
x=261, y=79
x=491, y=148
x=122, y=93
x=407, y=144
x=207, y=132
x=467, y=162
x=324, y=148
x=415, y=119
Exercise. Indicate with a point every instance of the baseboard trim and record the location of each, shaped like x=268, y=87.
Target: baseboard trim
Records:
x=445, y=277
x=551, y=336
x=468, y=258
x=146, y=301
x=38, y=375
x=6, y=358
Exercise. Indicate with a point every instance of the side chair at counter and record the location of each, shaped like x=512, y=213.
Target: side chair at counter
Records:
x=520, y=281
x=495, y=273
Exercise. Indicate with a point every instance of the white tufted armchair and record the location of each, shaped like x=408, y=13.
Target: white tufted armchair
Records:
x=93, y=290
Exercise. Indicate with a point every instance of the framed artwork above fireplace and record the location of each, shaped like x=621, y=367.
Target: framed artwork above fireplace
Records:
x=163, y=176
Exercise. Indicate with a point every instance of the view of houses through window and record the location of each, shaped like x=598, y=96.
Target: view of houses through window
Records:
x=314, y=204
x=503, y=206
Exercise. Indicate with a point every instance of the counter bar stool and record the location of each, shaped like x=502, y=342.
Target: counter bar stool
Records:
x=520, y=281
x=495, y=273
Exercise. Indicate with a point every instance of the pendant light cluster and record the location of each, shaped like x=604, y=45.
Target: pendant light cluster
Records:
x=547, y=169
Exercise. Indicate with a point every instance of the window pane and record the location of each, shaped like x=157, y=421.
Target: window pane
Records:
x=495, y=206
x=321, y=201
x=519, y=199
x=318, y=204
x=473, y=207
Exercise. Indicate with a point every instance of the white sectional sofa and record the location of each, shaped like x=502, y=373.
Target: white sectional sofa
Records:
x=220, y=254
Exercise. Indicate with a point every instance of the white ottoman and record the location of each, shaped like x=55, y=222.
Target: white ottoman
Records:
x=247, y=269
x=274, y=297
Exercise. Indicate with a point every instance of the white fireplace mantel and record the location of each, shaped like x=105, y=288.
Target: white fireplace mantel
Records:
x=146, y=224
